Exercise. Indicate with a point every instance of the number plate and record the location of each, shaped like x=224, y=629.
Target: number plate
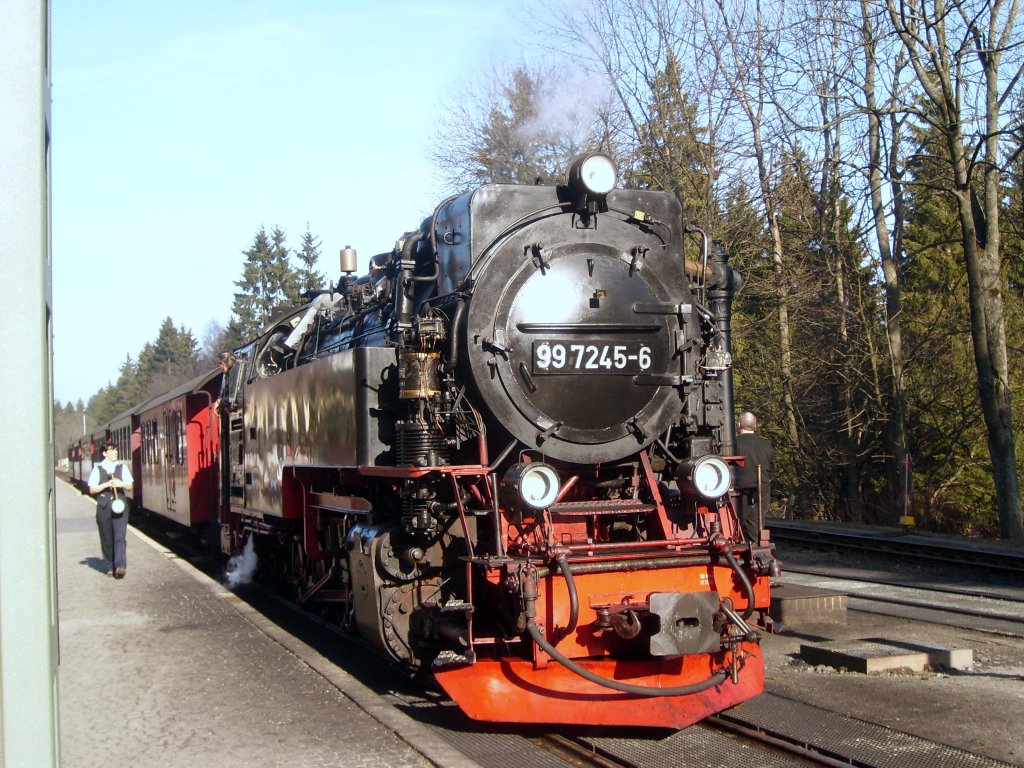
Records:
x=552, y=356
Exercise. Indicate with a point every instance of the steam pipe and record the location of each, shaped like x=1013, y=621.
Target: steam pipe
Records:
x=724, y=283
x=403, y=283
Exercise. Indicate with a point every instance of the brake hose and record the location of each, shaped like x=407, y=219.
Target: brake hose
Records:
x=537, y=634
x=748, y=588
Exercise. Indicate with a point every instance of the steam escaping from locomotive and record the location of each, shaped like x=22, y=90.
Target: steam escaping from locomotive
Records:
x=565, y=106
x=241, y=568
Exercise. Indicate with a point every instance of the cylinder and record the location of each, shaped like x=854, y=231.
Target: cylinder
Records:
x=348, y=259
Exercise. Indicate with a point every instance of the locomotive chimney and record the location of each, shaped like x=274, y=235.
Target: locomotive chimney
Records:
x=723, y=282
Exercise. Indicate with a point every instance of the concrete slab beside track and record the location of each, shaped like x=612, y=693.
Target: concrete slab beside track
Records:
x=971, y=709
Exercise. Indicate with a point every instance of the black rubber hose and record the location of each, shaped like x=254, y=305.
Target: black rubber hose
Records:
x=748, y=588
x=574, y=598
x=717, y=678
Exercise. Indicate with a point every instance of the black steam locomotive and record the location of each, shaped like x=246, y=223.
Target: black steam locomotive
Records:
x=504, y=455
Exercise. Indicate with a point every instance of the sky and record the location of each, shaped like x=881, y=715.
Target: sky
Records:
x=179, y=129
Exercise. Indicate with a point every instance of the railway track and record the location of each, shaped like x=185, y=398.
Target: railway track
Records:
x=985, y=610
x=769, y=731
x=988, y=555
x=968, y=585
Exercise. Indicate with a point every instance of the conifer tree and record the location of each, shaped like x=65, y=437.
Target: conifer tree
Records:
x=309, y=279
x=267, y=285
x=126, y=391
x=945, y=427
x=672, y=154
x=251, y=308
x=168, y=361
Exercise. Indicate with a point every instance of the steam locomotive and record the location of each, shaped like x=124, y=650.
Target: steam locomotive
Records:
x=504, y=454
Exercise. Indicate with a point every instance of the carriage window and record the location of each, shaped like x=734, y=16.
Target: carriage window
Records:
x=174, y=438
x=179, y=428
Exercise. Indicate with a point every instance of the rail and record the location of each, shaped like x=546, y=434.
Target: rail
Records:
x=909, y=544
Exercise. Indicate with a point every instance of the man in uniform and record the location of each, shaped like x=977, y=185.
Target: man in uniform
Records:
x=110, y=480
x=756, y=473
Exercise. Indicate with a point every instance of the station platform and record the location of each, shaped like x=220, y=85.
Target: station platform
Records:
x=168, y=668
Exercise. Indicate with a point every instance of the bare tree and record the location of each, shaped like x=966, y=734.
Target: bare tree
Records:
x=958, y=50
x=885, y=119
x=743, y=45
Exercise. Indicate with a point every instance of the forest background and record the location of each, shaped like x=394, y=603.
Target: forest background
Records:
x=862, y=162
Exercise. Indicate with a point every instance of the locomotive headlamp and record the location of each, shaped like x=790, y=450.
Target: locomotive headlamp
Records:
x=530, y=486
x=596, y=173
x=708, y=476
x=591, y=177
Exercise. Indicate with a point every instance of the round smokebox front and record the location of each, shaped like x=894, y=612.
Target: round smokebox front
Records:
x=568, y=364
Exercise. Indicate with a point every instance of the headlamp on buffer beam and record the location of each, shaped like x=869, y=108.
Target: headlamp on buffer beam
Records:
x=529, y=487
x=591, y=177
x=707, y=476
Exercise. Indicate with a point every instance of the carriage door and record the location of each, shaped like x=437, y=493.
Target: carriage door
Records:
x=168, y=465
x=233, y=468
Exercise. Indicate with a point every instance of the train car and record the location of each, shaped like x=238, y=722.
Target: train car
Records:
x=175, y=445
x=83, y=453
x=505, y=455
x=88, y=449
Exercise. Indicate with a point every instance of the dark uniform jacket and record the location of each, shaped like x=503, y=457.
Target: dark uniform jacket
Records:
x=758, y=453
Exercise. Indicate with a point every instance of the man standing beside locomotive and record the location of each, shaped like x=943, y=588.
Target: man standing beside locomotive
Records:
x=754, y=478
x=107, y=482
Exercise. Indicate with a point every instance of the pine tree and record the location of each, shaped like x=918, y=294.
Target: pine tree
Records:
x=126, y=392
x=268, y=284
x=516, y=150
x=283, y=283
x=99, y=407
x=952, y=480
x=309, y=279
x=672, y=154
x=168, y=361
x=252, y=304
x=235, y=334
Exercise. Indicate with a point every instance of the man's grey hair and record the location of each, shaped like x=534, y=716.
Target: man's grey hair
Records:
x=748, y=422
